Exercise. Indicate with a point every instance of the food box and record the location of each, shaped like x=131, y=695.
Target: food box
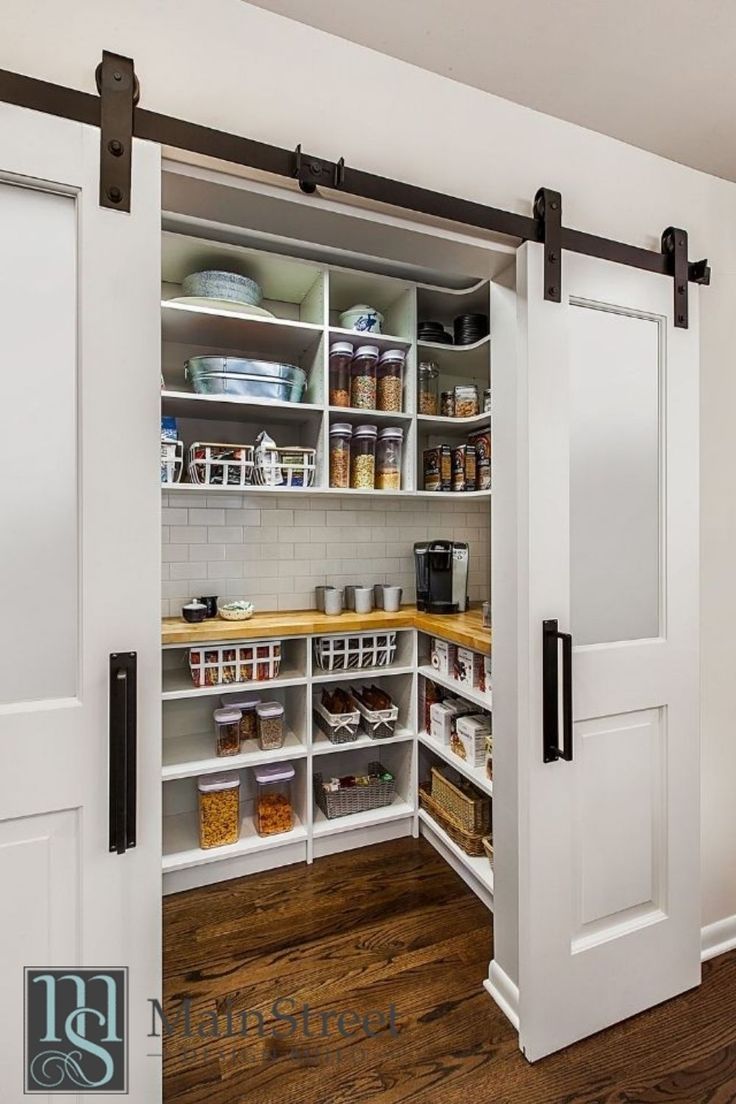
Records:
x=443, y=656
x=463, y=468
x=481, y=442
x=469, y=670
x=468, y=740
x=444, y=715
x=488, y=756
x=438, y=468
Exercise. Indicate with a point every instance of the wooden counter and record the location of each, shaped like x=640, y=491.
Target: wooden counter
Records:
x=465, y=629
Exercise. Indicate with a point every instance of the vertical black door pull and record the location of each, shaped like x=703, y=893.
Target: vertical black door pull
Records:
x=551, y=750
x=123, y=747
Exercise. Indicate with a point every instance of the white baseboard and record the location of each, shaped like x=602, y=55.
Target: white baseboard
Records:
x=716, y=939
x=504, y=992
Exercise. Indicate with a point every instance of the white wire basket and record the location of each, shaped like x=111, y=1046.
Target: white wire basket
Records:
x=285, y=467
x=172, y=461
x=220, y=465
x=343, y=653
x=257, y=661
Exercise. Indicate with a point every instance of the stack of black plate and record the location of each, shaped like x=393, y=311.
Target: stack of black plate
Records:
x=470, y=328
x=434, y=331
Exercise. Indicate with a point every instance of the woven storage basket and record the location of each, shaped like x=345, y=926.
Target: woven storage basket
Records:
x=339, y=728
x=488, y=848
x=470, y=809
x=354, y=799
x=379, y=724
x=470, y=842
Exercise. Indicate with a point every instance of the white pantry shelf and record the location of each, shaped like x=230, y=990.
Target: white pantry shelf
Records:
x=477, y=865
x=398, y=810
x=429, y=422
x=476, y=775
x=382, y=341
x=181, y=841
x=355, y=673
x=456, y=495
x=230, y=408
x=260, y=338
x=354, y=415
x=177, y=683
x=478, y=697
x=192, y=755
x=322, y=746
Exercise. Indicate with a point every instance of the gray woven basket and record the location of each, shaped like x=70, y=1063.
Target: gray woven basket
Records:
x=354, y=799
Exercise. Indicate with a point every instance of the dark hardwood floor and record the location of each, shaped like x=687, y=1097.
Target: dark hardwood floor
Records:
x=393, y=924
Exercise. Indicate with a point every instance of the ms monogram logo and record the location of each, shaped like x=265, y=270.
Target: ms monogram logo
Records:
x=76, y=1031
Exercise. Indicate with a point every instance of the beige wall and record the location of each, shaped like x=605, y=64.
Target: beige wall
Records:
x=239, y=68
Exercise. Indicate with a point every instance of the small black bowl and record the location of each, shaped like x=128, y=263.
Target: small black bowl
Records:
x=194, y=614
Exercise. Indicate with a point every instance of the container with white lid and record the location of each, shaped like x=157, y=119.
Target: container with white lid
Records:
x=270, y=717
x=340, y=436
x=274, y=810
x=341, y=355
x=227, y=730
x=389, y=384
x=363, y=377
x=247, y=706
x=388, y=458
x=363, y=458
x=219, y=809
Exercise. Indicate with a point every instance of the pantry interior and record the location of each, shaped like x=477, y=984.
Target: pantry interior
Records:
x=273, y=546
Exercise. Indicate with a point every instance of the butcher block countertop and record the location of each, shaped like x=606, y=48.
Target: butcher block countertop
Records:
x=465, y=629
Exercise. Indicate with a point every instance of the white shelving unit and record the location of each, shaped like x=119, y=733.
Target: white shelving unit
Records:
x=475, y=774
x=306, y=299
x=188, y=753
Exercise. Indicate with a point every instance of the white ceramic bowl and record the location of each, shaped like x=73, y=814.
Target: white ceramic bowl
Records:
x=236, y=611
x=222, y=285
x=362, y=319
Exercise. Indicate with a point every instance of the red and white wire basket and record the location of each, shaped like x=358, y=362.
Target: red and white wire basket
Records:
x=220, y=465
x=257, y=661
x=341, y=653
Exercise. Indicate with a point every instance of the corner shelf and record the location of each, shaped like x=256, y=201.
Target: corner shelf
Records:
x=485, y=701
x=462, y=425
x=476, y=865
x=187, y=404
x=382, y=341
x=474, y=774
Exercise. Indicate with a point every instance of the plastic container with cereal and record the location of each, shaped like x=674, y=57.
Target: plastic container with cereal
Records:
x=219, y=809
x=274, y=810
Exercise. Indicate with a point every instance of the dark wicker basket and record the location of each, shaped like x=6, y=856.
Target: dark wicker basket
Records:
x=355, y=799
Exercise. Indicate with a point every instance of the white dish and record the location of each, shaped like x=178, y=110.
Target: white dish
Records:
x=222, y=305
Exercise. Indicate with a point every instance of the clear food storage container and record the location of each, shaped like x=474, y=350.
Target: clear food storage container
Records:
x=390, y=379
x=227, y=730
x=363, y=377
x=341, y=354
x=219, y=809
x=388, y=459
x=270, y=725
x=428, y=375
x=363, y=458
x=274, y=811
x=247, y=707
x=340, y=437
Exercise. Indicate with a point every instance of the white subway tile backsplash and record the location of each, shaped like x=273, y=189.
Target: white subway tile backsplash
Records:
x=207, y=517
x=268, y=547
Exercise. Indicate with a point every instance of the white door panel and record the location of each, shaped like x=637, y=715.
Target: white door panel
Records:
x=79, y=555
x=609, y=841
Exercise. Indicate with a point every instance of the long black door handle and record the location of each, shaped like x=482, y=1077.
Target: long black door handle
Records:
x=551, y=750
x=123, y=750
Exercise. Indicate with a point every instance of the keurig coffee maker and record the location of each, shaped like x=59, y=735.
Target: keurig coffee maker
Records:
x=442, y=575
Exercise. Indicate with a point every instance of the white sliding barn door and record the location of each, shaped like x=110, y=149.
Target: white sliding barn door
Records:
x=79, y=559
x=609, y=896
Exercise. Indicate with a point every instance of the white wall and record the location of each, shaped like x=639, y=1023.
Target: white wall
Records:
x=239, y=68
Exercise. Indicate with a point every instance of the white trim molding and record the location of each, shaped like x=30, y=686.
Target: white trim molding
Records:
x=716, y=939
x=504, y=992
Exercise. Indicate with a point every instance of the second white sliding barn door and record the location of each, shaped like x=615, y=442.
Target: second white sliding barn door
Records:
x=608, y=723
